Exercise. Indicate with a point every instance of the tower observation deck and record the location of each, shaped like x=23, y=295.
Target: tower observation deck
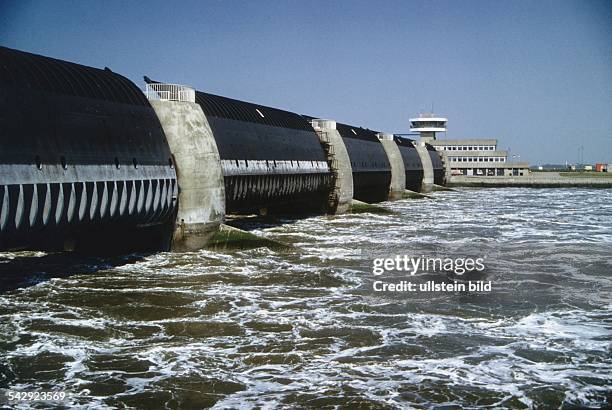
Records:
x=427, y=124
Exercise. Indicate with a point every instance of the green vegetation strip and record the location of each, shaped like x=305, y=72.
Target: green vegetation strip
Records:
x=408, y=194
x=358, y=207
x=229, y=237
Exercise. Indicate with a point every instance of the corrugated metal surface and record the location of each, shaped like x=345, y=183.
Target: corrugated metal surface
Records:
x=223, y=107
x=40, y=73
x=350, y=131
x=81, y=150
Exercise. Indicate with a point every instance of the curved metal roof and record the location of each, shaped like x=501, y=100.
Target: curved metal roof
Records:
x=350, y=131
x=36, y=72
x=218, y=106
x=224, y=107
x=403, y=142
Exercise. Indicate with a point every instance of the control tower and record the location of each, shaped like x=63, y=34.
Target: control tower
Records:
x=427, y=124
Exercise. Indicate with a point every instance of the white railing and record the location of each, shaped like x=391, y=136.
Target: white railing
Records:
x=169, y=92
x=321, y=124
x=384, y=136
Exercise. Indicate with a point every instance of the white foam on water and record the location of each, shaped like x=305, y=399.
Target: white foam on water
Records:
x=291, y=327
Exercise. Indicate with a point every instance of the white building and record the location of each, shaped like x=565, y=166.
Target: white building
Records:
x=479, y=157
x=474, y=157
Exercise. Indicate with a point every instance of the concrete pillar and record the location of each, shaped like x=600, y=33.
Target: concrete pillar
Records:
x=198, y=166
x=428, y=175
x=398, y=171
x=341, y=194
x=447, y=167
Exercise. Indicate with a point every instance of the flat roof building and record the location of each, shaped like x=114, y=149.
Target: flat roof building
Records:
x=478, y=157
x=471, y=156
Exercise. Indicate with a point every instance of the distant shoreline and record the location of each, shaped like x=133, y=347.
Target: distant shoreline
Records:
x=535, y=180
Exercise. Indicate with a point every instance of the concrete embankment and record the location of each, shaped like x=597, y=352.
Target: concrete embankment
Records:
x=534, y=180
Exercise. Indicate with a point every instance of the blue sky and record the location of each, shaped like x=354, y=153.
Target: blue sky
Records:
x=537, y=75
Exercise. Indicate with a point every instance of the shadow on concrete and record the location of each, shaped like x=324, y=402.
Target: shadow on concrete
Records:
x=19, y=270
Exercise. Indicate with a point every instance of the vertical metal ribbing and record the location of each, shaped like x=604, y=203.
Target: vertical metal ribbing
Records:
x=65, y=189
x=238, y=179
x=123, y=197
x=19, y=207
x=33, y=207
x=81, y=191
x=168, y=195
x=133, y=197
x=148, y=196
x=114, y=199
x=157, y=196
x=276, y=185
x=4, y=206
x=71, y=204
x=92, y=193
x=103, y=199
x=12, y=196
x=164, y=197
x=237, y=187
x=158, y=200
x=240, y=183
x=140, y=194
x=155, y=205
x=59, y=208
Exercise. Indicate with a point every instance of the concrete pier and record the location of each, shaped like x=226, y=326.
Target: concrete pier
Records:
x=198, y=166
x=398, y=173
x=340, y=165
x=428, y=174
x=447, y=167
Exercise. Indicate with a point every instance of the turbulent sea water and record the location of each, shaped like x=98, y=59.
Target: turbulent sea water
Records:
x=304, y=328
